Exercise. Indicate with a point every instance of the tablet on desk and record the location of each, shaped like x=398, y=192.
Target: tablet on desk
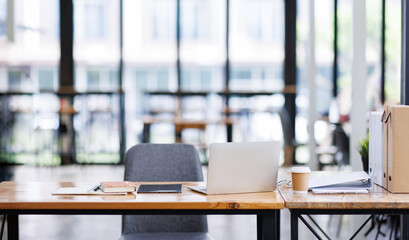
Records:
x=160, y=188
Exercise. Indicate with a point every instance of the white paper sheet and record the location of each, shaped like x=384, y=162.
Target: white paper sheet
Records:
x=82, y=191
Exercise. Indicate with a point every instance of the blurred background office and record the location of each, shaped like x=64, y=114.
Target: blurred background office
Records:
x=81, y=81
x=81, y=84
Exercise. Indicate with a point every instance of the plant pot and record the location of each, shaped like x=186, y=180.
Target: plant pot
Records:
x=365, y=163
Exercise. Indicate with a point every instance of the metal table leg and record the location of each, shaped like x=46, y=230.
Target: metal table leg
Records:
x=146, y=132
x=229, y=130
x=294, y=225
x=404, y=227
x=12, y=226
x=278, y=224
x=267, y=226
x=259, y=227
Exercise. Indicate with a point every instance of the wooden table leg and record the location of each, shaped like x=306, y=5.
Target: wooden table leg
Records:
x=12, y=226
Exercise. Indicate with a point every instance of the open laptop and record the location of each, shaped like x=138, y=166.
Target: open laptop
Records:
x=241, y=168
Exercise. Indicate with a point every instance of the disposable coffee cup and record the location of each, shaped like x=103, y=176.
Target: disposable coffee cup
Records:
x=300, y=179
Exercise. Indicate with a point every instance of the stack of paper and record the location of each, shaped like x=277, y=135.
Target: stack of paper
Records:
x=340, y=182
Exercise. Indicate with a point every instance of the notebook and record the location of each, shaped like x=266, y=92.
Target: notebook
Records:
x=241, y=168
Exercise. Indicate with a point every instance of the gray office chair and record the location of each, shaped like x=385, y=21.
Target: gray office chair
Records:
x=163, y=163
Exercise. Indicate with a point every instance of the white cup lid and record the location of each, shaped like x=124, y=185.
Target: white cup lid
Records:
x=300, y=170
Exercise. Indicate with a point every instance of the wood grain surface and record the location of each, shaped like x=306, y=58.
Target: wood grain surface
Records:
x=38, y=195
x=377, y=198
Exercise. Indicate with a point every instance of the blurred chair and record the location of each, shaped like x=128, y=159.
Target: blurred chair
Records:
x=163, y=163
x=290, y=143
x=339, y=150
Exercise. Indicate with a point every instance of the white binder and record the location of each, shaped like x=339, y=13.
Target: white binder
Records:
x=375, y=147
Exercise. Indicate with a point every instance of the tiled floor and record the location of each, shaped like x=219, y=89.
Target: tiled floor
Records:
x=82, y=227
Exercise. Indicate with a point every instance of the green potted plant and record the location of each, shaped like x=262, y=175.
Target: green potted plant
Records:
x=363, y=149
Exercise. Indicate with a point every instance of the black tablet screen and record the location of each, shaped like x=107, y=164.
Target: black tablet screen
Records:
x=160, y=188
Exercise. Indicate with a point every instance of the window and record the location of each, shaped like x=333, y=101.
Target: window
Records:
x=257, y=45
x=373, y=52
x=94, y=20
x=265, y=21
x=163, y=80
x=194, y=14
x=194, y=79
x=240, y=79
x=206, y=79
x=113, y=80
x=256, y=78
x=152, y=79
x=324, y=55
x=46, y=80
x=14, y=77
x=163, y=20
x=258, y=20
x=393, y=51
x=101, y=79
x=3, y=18
x=93, y=80
x=141, y=78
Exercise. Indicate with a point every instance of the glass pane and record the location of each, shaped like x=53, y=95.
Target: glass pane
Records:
x=202, y=49
x=3, y=19
x=257, y=44
x=29, y=58
x=373, y=52
x=96, y=59
x=257, y=56
x=150, y=32
x=393, y=51
x=324, y=55
x=31, y=43
x=150, y=64
x=96, y=44
x=344, y=56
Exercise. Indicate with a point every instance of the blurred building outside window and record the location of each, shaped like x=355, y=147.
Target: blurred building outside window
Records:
x=3, y=19
x=94, y=19
x=393, y=51
x=29, y=55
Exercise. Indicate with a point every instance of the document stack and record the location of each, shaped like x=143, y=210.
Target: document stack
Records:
x=376, y=148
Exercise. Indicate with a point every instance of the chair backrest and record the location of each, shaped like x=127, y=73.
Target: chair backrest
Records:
x=341, y=141
x=288, y=130
x=163, y=163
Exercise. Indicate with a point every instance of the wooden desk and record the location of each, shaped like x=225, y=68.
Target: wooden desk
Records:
x=36, y=198
x=378, y=201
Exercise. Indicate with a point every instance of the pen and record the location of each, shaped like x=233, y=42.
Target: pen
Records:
x=94, y=188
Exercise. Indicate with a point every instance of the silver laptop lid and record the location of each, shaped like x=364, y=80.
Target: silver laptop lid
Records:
x=243, y=167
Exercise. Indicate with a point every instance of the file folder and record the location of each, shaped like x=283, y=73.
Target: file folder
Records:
x=397, y=121
x=376, y=166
